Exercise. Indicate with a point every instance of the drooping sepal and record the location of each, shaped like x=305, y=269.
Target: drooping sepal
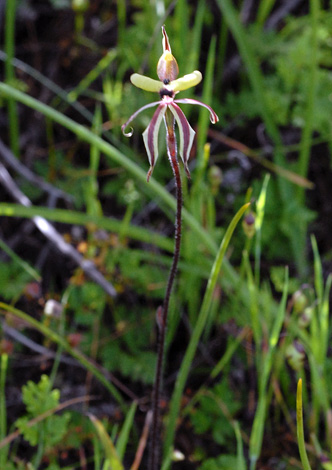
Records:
x=150, y=137
x=213, y=116
x=186, y=134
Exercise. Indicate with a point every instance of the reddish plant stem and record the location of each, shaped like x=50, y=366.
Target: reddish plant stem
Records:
x=162, y=312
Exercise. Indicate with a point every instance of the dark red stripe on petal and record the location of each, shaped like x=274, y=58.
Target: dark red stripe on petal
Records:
x=186, y=133
x=150, y=135
x=166, y=44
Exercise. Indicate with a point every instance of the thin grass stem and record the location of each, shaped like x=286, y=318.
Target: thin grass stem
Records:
x=10, y=75
x=300, y=431
x=3, y=412
x=309, y=117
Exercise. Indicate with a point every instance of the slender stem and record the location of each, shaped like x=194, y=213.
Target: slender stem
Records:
x=162, y=312
x=3, y=409
x=10, y=75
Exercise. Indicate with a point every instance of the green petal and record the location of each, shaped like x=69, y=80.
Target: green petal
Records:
x=187, y=81
x=146, y=83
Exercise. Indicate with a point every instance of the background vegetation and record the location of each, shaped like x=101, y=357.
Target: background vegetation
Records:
x=86, y=243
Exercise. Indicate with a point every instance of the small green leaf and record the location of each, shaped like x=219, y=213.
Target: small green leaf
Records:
x=38, y=399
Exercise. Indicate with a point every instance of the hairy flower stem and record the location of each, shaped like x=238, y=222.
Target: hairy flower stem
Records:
x=162, y=312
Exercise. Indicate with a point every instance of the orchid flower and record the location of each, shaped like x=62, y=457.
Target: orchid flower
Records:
x=167, y=86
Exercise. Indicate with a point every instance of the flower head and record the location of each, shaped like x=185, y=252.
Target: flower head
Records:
x=167, y=86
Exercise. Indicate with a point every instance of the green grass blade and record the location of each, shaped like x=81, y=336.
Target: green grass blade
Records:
x=324, y=321
x=197, y=332
x=253, y=302
x=122, y=20
x=203, y=120
x=113, y=461
x=3, y=409
x=318, y=270
x=264, y=9
x=91, y=185
x=256, y=437
x=227, y=356
x=79, y=218
x=321, y=332
x=306, y=140
x=181, y=31
x=222, y=48
x=192, y=60
x=10, y=74
x=241, y=462
x=102, y=65
x=299, y=427
x=260, y=212
x=19, y=261
x=274, y=338
x=123, y=438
